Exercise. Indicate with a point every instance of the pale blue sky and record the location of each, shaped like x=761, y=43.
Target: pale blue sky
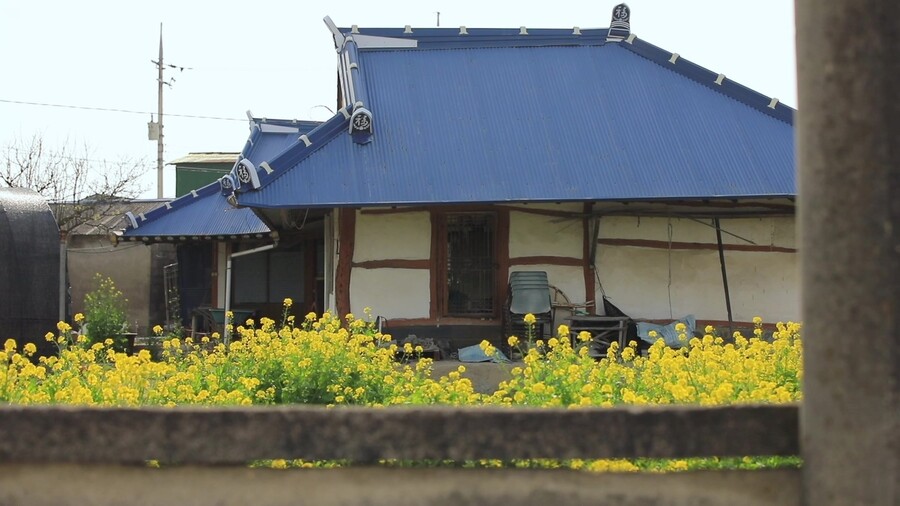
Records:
x=276, y=58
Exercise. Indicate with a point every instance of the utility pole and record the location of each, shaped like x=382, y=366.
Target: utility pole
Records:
x=159, y=111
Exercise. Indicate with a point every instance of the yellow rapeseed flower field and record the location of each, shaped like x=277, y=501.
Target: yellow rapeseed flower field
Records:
x=328, y=360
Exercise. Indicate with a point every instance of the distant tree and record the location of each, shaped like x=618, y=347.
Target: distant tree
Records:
x=80, y=190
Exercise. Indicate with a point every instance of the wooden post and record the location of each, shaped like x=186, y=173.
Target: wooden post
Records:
x=589, y=245
x=848, y=153
x=346, y=242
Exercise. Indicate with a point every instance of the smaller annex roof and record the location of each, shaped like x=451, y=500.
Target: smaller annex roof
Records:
x=206, y=157
x=112, y=215
x=465, y=115
x=205, y=213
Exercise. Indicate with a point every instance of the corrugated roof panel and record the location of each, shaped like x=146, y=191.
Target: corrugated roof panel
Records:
x=548, y=123
x=207, y=214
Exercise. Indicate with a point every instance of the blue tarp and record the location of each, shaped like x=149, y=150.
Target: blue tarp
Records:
x=668, y=332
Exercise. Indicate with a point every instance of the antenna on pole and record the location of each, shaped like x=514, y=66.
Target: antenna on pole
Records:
x=438, y=18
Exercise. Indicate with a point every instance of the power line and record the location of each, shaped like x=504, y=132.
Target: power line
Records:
x=108, y=109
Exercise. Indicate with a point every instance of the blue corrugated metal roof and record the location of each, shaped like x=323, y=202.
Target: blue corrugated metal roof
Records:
x=205, y=212
x=550, y=116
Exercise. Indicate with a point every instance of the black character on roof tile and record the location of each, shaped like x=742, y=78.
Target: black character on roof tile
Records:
x=620, y=25
x=361, y=125
x=227, y=185
x=361, y=122
x=243, y=173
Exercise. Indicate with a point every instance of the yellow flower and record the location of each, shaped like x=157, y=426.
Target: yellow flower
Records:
x=49, y=337
x=709, y=329
x=158, y=330
x=488, y=348
x=29, y=349
x=584, y=336
x=79, y=317
x=288, y=302
x=513, y=340
x=530, y=319
x=757, y=320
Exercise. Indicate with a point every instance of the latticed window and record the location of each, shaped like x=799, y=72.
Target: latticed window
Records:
x=470, y=264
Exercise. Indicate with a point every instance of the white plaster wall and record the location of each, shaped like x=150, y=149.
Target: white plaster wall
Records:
x=777, y=231
x=762, y=284
x=392, y=293
x=538, y=235
x=392, y=236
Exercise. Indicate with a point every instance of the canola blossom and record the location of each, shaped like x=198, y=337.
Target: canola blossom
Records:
x=345, y=361
x=321, y=362
x=708, y=371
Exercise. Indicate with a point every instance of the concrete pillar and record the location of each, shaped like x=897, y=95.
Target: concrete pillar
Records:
x=848, y=147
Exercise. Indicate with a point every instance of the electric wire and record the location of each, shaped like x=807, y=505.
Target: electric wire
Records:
x=110, y=109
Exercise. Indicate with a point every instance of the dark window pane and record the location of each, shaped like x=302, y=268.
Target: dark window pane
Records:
x=286, y=276
x=249, y=278
x=470, y=264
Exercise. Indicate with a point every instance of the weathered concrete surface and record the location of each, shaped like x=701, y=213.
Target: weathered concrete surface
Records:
x=238, y=435
x=58, y=484
x=848, y=57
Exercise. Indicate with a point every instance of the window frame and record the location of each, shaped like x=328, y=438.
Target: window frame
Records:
x=441, y=280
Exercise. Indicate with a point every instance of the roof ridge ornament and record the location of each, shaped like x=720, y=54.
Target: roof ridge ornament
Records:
x=620, y=25
x=226, y=184
x=131, y=219
x=335, y=33
x=245, y=174
x=361, y=124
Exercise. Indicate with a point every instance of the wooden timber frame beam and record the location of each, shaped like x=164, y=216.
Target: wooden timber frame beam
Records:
x=588, y=247
x=347, y=241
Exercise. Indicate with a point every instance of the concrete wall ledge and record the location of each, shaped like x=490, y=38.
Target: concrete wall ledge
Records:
x=235, y=436
x=57, y=484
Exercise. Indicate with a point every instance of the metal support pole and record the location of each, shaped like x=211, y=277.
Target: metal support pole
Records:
x=724, y=274
x=848, y=153
x=63, y=285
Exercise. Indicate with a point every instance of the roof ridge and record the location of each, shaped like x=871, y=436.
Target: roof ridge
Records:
x=715, y=81
x=303, y=147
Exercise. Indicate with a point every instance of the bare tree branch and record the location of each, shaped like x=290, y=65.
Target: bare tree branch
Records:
x=80, y=189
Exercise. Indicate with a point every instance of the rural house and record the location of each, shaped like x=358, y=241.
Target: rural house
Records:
x=459, y=156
